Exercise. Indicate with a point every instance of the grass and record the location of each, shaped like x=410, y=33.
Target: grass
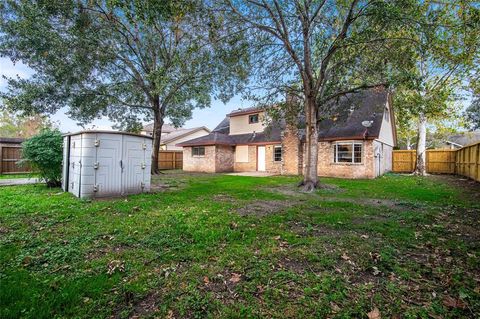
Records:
x=242, y=247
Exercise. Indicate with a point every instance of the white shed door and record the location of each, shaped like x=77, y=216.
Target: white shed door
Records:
x=133, y=164
x=75, y=165
x=108, y=161
x=261, y=158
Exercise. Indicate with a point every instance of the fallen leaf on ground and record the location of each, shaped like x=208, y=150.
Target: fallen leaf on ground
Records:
x=235, y=278
x=451, y=302
x=206, y=280
x=374, y=314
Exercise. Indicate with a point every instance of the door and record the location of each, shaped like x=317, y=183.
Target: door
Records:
x=261, y=158
x=134, y=165
x=108, y=164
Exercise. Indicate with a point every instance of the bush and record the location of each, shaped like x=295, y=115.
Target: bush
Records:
x=44, y=153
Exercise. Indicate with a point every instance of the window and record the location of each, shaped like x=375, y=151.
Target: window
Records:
x=252, y=119
x=277, y=153
x=241, y=154
x=347, y=152
x=198, y=151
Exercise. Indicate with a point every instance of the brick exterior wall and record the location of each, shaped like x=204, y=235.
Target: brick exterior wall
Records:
x=249, y=166
x=292, y=163
x=270, y=165
x=327, y=167
x=224, y=159
x=199, y=164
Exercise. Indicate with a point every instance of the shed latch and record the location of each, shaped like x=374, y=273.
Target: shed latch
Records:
x=95, y=165
x=144, y=146
x=95, y=188
x=97, y=142
x=143, y=165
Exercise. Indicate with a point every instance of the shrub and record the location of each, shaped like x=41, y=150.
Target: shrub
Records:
x=44, y=153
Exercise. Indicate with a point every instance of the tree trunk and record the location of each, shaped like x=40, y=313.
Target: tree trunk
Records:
x=310, y=175
x=420, y=169
x=157, y=133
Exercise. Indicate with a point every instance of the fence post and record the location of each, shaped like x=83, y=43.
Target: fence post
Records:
x=1, y=159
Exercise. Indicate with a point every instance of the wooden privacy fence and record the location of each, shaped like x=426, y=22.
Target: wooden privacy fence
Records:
x=170, y=160
x=464, y=161
x=468, y=161
x=9, y=157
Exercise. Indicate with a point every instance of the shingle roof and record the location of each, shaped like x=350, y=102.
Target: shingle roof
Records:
x=353, y=109
x=244, y=111
x=181, y=133
x=270, y=135
x=345, y=123
x=166, y=128
x=464, y=139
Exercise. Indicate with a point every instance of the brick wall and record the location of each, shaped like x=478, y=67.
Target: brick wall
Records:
x=292, y=152
x=224, y=159
x=326, y=166
x=270, y=165
x=199, y=164
x=249, y=166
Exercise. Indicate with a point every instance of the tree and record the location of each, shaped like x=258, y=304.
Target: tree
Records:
x=128, y=60
x=14, y=125
x=318, y=51
x=472, y=113
x=446, y=37
x=44, y=152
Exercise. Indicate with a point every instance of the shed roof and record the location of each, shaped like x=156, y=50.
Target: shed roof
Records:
x=107, y=132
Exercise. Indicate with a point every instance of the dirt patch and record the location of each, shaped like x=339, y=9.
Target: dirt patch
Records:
x=470, y=189
x=222, y=286
x=292, y=190
x=261, y=208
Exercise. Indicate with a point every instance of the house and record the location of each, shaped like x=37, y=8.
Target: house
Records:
x=172, y=136
x=355, y=142
x=460, y=140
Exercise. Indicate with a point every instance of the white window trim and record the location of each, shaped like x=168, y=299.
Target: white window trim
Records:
x=353, y=143
x=281, y=156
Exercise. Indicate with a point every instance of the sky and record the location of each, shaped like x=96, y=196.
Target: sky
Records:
x=208, y=117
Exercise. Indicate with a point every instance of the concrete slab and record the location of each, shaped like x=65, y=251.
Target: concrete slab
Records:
x=252, y=174
x=18, y=181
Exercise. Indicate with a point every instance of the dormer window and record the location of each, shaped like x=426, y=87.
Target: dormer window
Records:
x=253, y=118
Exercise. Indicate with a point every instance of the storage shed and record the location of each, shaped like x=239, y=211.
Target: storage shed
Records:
x=106, y=163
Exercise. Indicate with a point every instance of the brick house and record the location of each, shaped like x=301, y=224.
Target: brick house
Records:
x=355, y=142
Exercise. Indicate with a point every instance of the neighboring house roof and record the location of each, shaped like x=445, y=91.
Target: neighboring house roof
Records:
x=354, y=108
x=464, y=139
x=175, y=135
x=12, y=140
x=166, y=128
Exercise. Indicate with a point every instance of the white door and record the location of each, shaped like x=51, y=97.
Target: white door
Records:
x=261, y=158
x=133, y=161
x=108, y=163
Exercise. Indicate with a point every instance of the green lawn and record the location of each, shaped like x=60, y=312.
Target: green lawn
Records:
x=243, y=247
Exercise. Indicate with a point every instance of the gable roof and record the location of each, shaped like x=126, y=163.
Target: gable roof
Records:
x=353, y=109
x=166, y=128
x=245, y=111
x=464, y=139
x=179, y=133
